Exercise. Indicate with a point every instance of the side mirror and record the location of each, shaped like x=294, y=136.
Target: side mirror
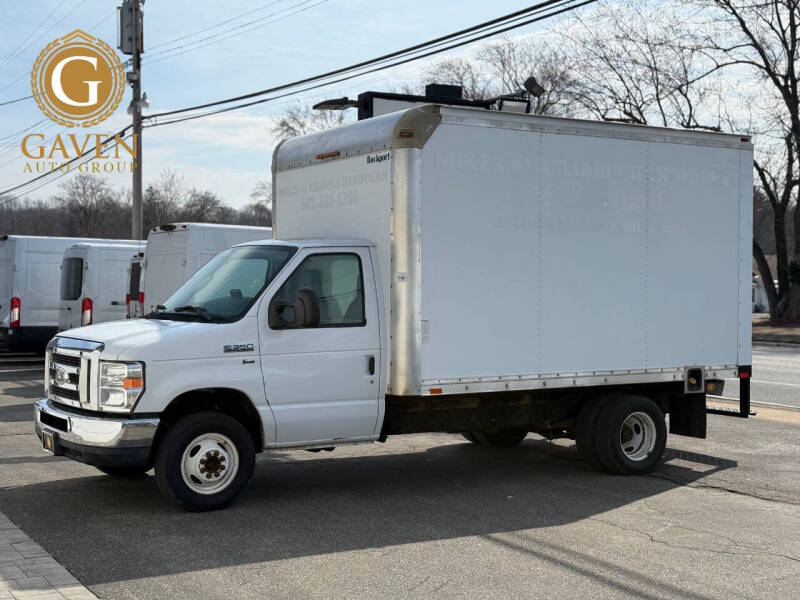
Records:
x=305, y=309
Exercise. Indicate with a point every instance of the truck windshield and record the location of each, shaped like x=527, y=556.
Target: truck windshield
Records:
x=71, y=278
x=226, y=286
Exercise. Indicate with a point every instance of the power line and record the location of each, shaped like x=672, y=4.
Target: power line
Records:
x=68, y=13
x=571, y=5
x=47, y=18
x=220, y=24
x=27, y=74
x=69, y=162
x=235, y=33
x=536, y=7
x=28, y=97
x=484, y=30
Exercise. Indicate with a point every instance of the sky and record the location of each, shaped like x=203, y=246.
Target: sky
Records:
x=226, y=154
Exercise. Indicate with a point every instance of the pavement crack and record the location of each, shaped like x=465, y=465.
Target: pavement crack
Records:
x=737, y=548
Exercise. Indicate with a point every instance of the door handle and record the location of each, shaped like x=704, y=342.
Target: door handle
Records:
x=116, y=303
x=371, y=365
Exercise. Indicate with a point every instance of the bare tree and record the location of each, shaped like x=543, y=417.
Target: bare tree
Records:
x=300, y=119
x=761, y=38
x=163, y=199
x=87, y=203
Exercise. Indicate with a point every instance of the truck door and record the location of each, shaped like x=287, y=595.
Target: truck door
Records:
x=322, y=382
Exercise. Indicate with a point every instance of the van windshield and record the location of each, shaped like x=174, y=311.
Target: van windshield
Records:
x=225, y=287
x=71, y=278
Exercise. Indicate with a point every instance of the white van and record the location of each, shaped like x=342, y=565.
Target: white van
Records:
x=134, y=298
x=93, y=279
x=177, y=250
x=29, y=294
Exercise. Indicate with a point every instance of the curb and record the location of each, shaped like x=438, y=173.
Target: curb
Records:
x=766, y=342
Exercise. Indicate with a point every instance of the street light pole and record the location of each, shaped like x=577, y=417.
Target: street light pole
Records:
x=136, y=86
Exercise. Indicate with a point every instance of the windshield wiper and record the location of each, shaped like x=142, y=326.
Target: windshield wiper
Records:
x=198, y=310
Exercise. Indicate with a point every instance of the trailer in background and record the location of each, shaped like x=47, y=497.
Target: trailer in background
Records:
x=177, y=250
x=29, y=290
x=93, y=280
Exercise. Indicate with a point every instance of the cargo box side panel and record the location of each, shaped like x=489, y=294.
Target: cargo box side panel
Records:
x=531, y=254
x=349, y=197
x=692, y=255
x=591, y=290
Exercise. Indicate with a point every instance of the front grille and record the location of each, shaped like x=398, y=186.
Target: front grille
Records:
x=65, y=393
x=64, y=359
x=54, y=421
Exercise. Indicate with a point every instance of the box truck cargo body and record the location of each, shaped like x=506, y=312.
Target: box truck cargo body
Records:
x=29, y=288
x=524, y=252
x=177, y=250
x=93, y=278
x=437, y=269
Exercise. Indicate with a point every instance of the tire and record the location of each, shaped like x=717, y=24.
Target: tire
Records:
x=584, y=432
x=124, y=471
x=630, y=434
x=507, y=438
x=190, y=446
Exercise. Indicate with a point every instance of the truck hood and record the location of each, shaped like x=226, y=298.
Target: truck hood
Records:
x=156, y=339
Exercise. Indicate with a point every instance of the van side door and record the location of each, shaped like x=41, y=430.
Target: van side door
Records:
x=322, y=381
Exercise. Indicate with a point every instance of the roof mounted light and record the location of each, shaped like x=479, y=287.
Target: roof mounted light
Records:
x=532, y=87
x=335, y=104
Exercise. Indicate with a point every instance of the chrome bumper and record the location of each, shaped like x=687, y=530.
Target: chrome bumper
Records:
x=98, y=440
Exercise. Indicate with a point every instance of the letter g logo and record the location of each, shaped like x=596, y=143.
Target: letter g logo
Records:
x=78, y=80
x=58, y=89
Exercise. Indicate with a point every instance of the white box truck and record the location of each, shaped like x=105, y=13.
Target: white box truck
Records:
x=435, y=269
x=29, y=291
x=93, y=278
x=176, y=250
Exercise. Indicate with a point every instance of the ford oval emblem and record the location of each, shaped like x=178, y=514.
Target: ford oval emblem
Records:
x=61, y=376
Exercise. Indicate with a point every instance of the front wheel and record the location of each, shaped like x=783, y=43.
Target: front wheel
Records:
x=205, y=461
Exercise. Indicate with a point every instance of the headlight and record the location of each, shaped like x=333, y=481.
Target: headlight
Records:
x=121, y=385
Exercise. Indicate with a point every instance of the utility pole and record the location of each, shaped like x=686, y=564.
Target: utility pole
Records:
x=131, y=24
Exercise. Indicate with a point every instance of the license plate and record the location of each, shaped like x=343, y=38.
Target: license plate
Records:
x=48, y=441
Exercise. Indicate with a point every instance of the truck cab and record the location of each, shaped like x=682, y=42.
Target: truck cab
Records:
x=302, y=315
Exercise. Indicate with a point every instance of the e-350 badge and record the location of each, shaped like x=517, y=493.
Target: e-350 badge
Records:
x=238, y=348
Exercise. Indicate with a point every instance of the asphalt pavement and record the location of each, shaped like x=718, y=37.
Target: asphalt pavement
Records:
x=429, y=516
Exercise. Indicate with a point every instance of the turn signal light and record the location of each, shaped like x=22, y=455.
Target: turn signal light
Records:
x=132, y=382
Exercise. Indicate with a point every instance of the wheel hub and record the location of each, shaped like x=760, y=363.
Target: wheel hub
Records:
x=637, y=436
x=209, y=463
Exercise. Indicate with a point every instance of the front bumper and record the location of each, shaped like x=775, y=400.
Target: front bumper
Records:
x=96, y=439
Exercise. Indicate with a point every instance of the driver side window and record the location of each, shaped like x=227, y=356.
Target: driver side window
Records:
x=337, y=281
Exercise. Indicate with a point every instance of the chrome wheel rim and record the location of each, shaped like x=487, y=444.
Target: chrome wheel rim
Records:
x=637, y=436
x=209, y=463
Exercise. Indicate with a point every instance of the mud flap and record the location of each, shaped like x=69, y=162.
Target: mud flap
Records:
x=687, y=415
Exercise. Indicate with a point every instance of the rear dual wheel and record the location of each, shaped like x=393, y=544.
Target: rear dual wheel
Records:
x=625, y=434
